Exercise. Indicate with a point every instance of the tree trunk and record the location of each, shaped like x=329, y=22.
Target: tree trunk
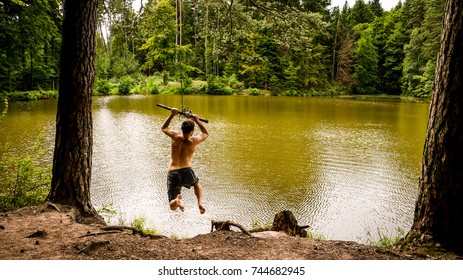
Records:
x=439, y=207
x=72, y=161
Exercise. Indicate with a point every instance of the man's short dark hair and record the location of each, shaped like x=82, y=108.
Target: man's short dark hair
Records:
x=188, y=126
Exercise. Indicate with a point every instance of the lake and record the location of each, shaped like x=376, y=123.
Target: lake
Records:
x=348, y=167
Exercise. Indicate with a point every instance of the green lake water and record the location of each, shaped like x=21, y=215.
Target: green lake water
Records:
x=348, y=168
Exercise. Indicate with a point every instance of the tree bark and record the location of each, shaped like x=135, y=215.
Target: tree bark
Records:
x=72, y=160
x=439, y=206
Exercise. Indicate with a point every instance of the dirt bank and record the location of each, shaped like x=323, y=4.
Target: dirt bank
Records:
x=42, y=232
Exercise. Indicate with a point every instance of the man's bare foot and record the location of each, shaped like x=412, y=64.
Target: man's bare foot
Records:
x=180, y=202
x=202, y=210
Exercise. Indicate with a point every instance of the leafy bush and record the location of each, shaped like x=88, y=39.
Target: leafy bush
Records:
x=22, y=182
x=5, y=110
x=102, y=87
x=171, y=88
x=254, y=92
x=139, y=223
x=126, y=83
x=152, y=84
x=233, y=82
x=215, y=86
x=289, y=92
x=30, y=95
x=107, y=212
x=154, y=89
x=198, y=86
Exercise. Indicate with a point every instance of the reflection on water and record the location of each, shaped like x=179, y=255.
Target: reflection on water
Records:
x=347, y=168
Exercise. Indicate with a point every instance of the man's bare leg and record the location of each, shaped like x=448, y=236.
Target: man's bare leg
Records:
x=177, y=203
x=199, y=196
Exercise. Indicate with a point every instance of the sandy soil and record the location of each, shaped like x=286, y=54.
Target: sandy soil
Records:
x=42, y=232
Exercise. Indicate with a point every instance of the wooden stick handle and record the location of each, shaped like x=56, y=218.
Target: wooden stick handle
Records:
x=181, y=113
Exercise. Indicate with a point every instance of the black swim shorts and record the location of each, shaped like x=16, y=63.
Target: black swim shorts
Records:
x=176, y=179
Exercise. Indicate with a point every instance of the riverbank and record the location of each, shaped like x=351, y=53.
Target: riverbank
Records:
x=49, y=233
x=29, y=95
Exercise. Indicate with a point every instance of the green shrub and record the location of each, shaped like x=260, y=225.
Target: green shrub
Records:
x=289, y=92
x=5, y=109
x=139, y=223
x=233, y=82
x=171, y=88
x=23, y=182
x=215, y=86
x=254, y=92
x=152, y=84
x=102, y=87
x=154, y=89
x=107, y=212
x=126, y=84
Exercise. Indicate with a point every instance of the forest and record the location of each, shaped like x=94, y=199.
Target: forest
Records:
x=283, y=47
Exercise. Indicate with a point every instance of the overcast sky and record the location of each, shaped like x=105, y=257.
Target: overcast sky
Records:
x=386, y=4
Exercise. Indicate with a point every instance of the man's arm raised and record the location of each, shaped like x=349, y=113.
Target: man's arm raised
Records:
x=204, y=132
x=165, y=126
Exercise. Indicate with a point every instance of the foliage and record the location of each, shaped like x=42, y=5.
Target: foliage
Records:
x=29, y=44
x=160, y=29
x=318, y=236
x=139, y=223
x=258, y=224
x=102, y=87
x=23, y=182
x=126, y=84
x=387, y=241
x=215, y=86
x=107, y=212
x=30, y=95
x=421, y=50
x=286, y=47
x=366, y=64
x=5, y=110
x=152, y=85
x=254, y=91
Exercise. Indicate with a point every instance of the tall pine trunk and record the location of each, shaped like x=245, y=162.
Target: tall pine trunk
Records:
x=439, y=207
x=72, y=161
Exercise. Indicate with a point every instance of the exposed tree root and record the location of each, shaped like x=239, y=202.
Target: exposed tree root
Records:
x=225, y=225
x=100, y=233
x=134, y=231
x=52, y=206
x=38, y=233
x=92, y=245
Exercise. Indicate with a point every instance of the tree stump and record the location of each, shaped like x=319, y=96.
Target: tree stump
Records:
x=286, y=221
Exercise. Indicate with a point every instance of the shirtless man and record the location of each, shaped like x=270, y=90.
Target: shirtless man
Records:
x=180, y=172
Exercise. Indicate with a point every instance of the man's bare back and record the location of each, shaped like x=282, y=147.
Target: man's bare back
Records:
x=183, y=147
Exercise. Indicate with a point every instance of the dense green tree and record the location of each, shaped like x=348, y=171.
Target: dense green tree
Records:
x=376, y=8
x=119, y=39
x=252, y=40
x=361, y=13
x=29, y=44
x=366, y=64
x=420, y=52
x=393, y=60
x=160, y=28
